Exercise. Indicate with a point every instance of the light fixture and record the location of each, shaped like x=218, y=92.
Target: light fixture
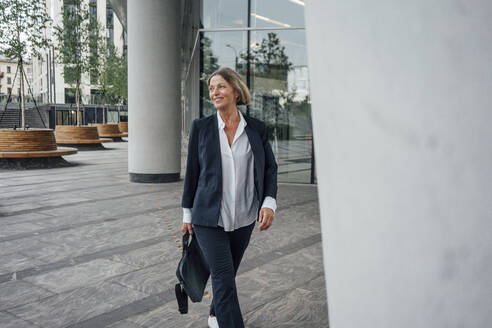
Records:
x=298, y=2
x=266, y=19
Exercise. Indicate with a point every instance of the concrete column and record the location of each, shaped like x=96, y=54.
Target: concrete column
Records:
x=402, y=102
x=154, y=117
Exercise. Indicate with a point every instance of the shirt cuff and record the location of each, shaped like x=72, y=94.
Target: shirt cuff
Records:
x=270, y=203
x=186, y=215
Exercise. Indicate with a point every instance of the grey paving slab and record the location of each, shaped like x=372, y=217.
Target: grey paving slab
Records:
x=35, y=206
x=82, y=258
x=301, y=307
x=17, y=292
x=29, y=217
x=124, y=324
x=96, y=230
x=18, y=228
x=89, y=249
x=99, y=241
x=150, y=280
x=65, y=309
x=168, y=316
x=13, y=246
x=52, y=253
x=163, y=252
x=79, y=275
x=16, y=261
x=8, y=320
x=269, y=284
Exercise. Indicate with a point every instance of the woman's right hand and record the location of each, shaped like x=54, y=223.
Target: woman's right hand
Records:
x=187, y=227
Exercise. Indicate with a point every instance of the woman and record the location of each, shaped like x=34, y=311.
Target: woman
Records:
x=230, y=172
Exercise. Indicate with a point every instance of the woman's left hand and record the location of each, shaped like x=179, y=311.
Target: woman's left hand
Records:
x=265, y=218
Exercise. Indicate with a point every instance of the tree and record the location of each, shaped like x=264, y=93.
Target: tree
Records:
x=78, y=45
x=23, y=25
x=210, y=65
x=120, y=85
x=113, y=76
x=210, y=62
x=269, y=58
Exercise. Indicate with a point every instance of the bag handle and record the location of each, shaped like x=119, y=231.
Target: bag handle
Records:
x=185, y=242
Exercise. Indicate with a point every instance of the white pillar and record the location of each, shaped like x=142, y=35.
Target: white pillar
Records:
x=402, y=120
x=154, y=90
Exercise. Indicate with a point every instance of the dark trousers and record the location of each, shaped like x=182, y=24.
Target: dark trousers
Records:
x=223, y=252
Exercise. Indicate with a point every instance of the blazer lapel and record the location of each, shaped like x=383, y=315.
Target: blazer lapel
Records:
x=256, y=148
x=215, y=144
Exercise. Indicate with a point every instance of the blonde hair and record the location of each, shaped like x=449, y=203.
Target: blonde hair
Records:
x=236, y=82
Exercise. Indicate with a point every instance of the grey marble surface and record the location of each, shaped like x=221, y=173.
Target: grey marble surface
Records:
x=82, y=247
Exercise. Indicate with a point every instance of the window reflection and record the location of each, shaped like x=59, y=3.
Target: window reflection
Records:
x=221, y=49
x=274, y=64
x=275, y=13
x=224, y=13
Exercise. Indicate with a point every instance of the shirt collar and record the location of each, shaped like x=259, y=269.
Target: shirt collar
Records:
x=242, y=122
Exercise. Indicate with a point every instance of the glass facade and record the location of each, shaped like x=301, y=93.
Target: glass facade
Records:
x=109, y=24
x=264, y=41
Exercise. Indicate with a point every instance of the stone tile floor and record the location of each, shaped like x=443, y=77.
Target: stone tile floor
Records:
x=82, y=247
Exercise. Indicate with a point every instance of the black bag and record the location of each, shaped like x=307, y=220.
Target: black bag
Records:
x=192, y=272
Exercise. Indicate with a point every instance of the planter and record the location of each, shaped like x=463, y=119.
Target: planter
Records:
x=123, y=126
x=33, y=148
x=109, y=130
x=80, y=137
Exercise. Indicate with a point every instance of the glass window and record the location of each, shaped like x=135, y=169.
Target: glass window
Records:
x=9, y=80
x=224, y=13
x=279, y=86
x=222, y=49
x=274, y=65
x=69, y=96
x=277, y=13
x=8, y=69
x=280, y=98
x=92, y=11
x=109, y=23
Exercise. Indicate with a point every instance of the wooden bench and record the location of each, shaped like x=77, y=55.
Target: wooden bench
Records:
x=24, y=146
x=80, y=137
x=123, y=127
x=60, y=151
x=109, y=130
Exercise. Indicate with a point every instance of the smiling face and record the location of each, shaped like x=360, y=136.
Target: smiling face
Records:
x=222, y=93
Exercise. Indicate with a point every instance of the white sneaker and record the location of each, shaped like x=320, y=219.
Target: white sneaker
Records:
x=212, y=322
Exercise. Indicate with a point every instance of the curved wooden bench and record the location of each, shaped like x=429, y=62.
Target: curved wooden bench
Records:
x=82, y=142
x=32, y=143
x=78, y=135
x=60, y=151
x=27, y=140
x=123, y=126
x=109, y=130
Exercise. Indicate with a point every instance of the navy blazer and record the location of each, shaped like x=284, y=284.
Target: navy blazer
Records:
x=203, y=179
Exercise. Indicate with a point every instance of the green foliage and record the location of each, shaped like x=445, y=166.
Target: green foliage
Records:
x=121, y=80
x=269, y=58
x=210, y=62
x=23, y=24
x=73, y=41
x=113, y=76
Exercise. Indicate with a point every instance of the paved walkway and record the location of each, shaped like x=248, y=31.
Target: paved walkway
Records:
x=83, y=247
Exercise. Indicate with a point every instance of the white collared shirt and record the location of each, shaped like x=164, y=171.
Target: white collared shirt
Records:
x=239, y=205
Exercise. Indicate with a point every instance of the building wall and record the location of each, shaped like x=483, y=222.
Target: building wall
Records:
x=54, y=8
x=402, y=115
x=15, y=85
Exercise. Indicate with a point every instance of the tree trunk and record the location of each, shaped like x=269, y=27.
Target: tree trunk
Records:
x=77, y=102
x=23, y=104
